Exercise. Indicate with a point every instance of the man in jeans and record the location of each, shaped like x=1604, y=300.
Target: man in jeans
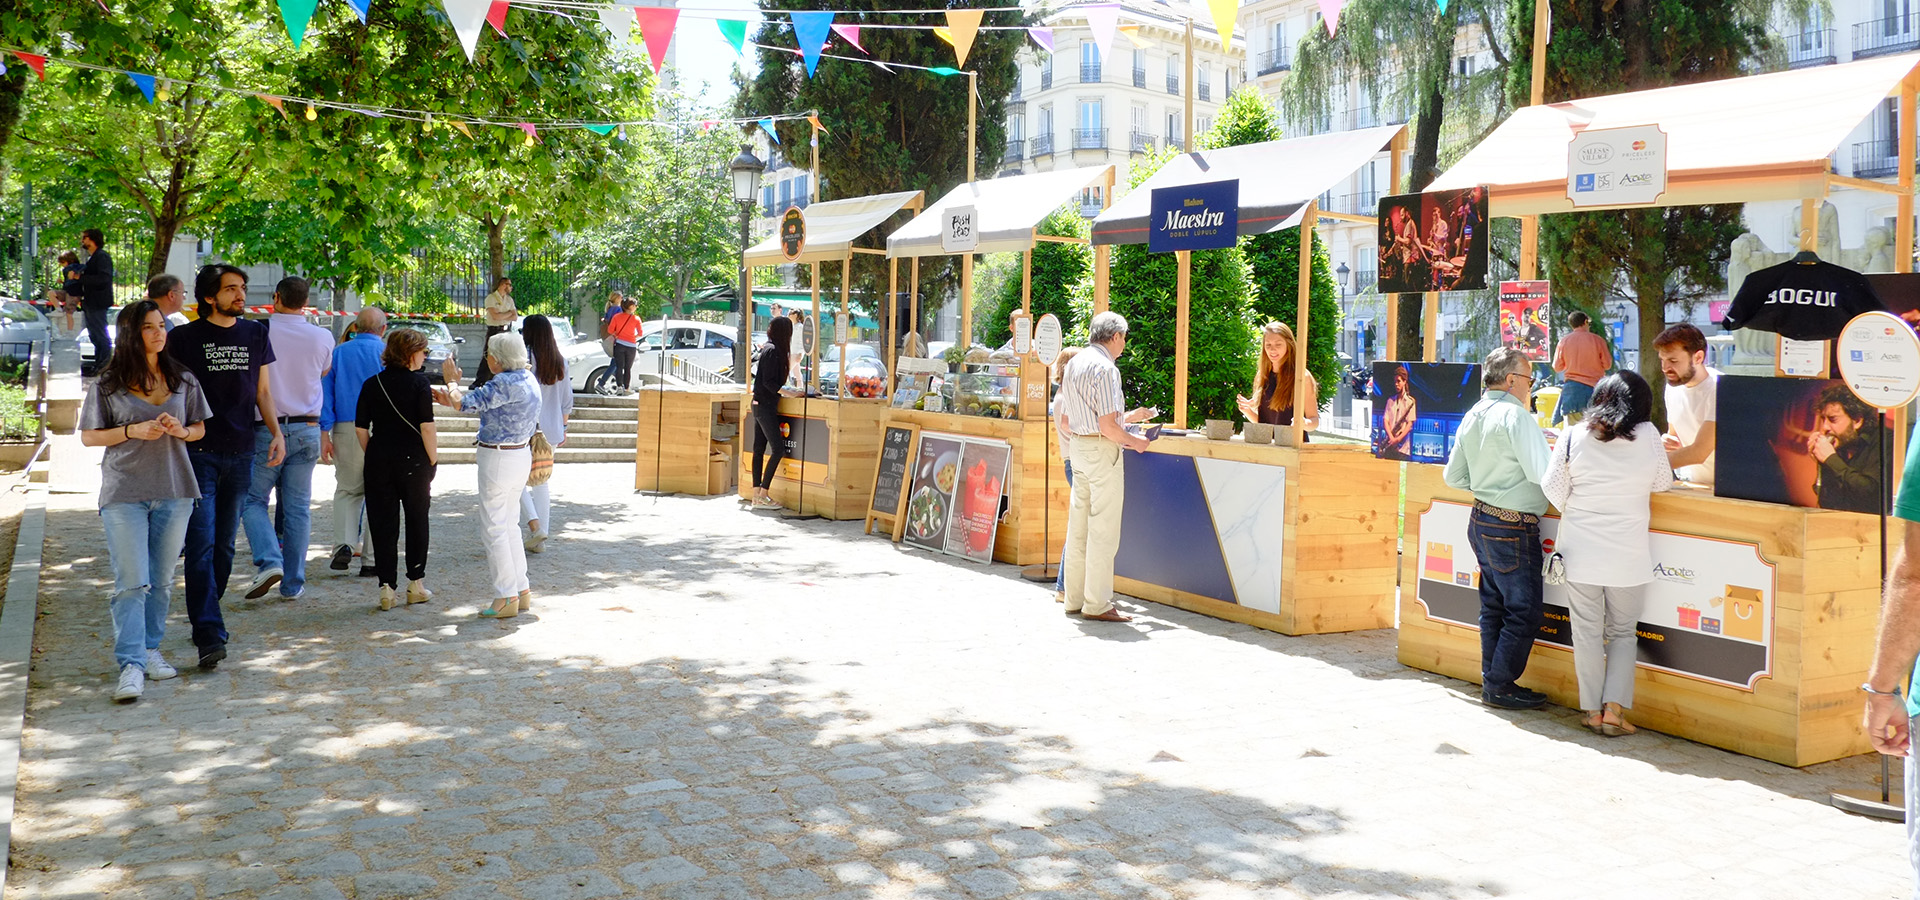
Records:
x=354, y=361
x=1584, y=359
x=230, y=357
x=1500, y=455
x=1891, y=720
x=96, y=299
x=1093, y=410
x=303, y=352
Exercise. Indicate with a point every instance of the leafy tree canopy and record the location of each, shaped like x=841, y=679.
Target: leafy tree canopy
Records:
x=1056, y=269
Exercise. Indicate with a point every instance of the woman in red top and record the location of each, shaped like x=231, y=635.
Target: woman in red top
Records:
x=624, y=328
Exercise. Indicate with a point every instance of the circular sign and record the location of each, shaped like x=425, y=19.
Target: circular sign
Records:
x=793, y=233
x=1046, y=339
x=1880, y=359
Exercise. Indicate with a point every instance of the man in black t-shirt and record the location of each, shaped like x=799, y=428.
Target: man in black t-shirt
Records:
x=96, y=295
x=229, y=355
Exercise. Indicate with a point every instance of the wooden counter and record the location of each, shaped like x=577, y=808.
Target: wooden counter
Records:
x=1295, y=541
x=835, y=444
x=1030, y=533
x=1784, y=686
x=684, y=433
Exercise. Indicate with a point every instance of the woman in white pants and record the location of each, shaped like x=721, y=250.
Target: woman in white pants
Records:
x=556, y=406
x=509, y=408
x=1602, y=477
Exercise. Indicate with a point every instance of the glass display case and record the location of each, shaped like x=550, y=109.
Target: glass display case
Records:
x=990, y=389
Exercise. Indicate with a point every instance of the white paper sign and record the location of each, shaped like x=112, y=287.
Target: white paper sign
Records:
x=840, y=326
x=1880, y=359
x=1046, y=339
x=1617, y=166
x=1803, y=359
x=959, y=231
x=1022, y=333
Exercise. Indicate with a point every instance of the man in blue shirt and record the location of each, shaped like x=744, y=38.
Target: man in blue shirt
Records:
x=1890, y=720
x=1501, y=456
x=354, y=361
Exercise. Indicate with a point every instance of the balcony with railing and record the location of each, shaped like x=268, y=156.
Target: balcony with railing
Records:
x=1089, y=139
x=1275, y=60
x=1140, y=142
x=1089, y=73
x=1206, y=90
x=1810, y=48
x=1042, y=145
x=1014, y=147
x=1090, y=208
x=1178, y=145
x=1362, y=203
x=1173, y=84
x=1139, y=78
x=1876, y=159
x=1882, y=37
x=1365, y=279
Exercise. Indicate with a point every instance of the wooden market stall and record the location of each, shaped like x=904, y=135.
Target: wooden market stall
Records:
x=1770, y=662
x=1295, y=537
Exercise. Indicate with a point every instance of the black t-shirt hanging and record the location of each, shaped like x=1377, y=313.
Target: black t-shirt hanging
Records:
x=1802, y=301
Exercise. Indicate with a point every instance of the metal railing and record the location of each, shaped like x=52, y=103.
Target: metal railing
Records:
x=1362, y=203
x=1275, y=60
x=1876, y=159
x=1881, y=37
x=1089, y=73
x=1013, y=150
x=1810, y=48
x=1173, y=84
x=1139, y=78
x=1089, y=139
x=1042, y=145
x=1141, y=142
x=1178, y=145
x=686, y=370
x=1365, y=279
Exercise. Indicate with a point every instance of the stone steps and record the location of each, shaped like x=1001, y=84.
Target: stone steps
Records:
x=569, y=454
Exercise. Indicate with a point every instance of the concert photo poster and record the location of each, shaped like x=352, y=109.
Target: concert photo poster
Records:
x=1435, y=241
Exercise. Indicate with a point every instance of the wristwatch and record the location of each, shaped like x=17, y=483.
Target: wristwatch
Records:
x=1868, y=687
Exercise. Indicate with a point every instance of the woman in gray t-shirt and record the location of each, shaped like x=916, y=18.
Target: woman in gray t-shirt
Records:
x=144, y=409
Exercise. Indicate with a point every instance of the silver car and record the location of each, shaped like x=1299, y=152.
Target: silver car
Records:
x=440, y=342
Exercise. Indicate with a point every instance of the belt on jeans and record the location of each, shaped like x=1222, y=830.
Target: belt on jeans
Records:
x=1506, y=515
x=500, y=446
x=299, y=420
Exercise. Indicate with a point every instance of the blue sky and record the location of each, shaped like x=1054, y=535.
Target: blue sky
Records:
x=704, y=57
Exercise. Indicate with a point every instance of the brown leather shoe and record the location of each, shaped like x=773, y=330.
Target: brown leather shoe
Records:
x=1111, y=615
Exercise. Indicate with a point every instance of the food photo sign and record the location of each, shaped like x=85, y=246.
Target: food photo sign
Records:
x=953, y=505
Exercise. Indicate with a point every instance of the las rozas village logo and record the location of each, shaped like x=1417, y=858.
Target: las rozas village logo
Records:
x=1674, y=574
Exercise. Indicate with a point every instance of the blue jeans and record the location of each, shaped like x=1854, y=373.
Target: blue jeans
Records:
x=143, y=542
x=225, y=479
x=1510, y=595
x=281, y=542
x=1574, y=398
x=1060, y=571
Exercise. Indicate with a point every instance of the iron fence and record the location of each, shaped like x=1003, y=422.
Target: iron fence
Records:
x=455, y=284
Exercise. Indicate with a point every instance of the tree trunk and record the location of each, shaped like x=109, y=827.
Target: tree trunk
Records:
x=165, y=227
x=496, y=248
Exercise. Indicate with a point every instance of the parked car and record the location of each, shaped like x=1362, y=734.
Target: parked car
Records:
x=440, y=342
x=856, y=354
x=21, y=324
x=703, y=344
x=586, y=359
x=84, y=342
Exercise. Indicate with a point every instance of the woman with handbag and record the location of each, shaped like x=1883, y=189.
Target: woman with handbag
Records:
x=394, y=423
x=509, y=408
x=556, y=406
x=1602, y=477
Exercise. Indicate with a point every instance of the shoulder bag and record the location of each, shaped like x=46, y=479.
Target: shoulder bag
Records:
x=403, y=416
x=542, y=459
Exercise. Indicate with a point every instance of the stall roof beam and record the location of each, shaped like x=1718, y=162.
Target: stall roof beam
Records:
x=1008, y=209
x=833, y=226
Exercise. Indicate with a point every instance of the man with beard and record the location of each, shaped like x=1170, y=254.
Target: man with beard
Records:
x=229, y=355
x=1691, y=406
x=1846, y=442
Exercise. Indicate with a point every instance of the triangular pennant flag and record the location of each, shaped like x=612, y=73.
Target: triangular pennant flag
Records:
x=462, y=126
x=1132, y=33
x=296, y=14
x=944, y=33
x=656, y=29
x=945, y=70
x=810, y=30
x=1225, y=11
x=706, y=125
x=602, y=130
x=278, y=103
x=965, y=24
x=766, y=125
x=735, y=31
x=1043, y=37
x=617, y=22
x=1330, y=12
x=1103, y=18
x=368, y=112
x=814, y=120
x=144, y=83
x=360, y=9
x=497, y=16
x=467, y=18
x=1443, y=7
x=852, y=35
x=529, y=129
x=37, y=63
x=883, y=67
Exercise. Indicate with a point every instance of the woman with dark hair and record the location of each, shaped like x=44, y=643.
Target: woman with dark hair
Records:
x=144, y=409
x=556, y=406
x=769, y=374
x=394, y=423
x=1602, y=478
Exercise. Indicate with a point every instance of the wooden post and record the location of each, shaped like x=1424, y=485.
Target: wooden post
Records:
x=913, y=302
x=1026, y=281
x=1430, y=332
x=966, y=260
x=1186, y=92
x=1529, y=267
x=1184, y=262
x=1303, y=400
x=1396, y=170
x=840, y=334
x=1903, y=247
x=1103, y=254
x=893, y=315
x=813, y=364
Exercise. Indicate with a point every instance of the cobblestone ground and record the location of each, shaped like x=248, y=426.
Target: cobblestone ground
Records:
x=707, y=703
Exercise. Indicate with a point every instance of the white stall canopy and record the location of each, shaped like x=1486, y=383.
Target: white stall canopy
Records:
x=833, y=226
x=1009, y=209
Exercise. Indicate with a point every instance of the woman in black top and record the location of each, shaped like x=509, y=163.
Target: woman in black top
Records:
x=395, y=427
x=769, y=374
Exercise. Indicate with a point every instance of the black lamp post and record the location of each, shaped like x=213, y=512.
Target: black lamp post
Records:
x=1343, y=273
x=746, y=169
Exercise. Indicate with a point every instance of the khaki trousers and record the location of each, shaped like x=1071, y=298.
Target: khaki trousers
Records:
x=1093, y=525
x=349, y=486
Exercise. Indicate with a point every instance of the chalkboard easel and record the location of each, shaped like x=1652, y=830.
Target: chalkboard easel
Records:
x=898, y=444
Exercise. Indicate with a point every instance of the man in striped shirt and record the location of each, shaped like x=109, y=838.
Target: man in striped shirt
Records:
x=1092, y=411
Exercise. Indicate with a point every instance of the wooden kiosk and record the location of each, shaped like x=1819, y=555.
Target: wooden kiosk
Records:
x=1008, y=213
x=1294, y=537
x=1776, y=674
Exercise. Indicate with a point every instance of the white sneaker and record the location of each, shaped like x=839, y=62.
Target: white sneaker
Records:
x=133, y=683
x=536, y=542
x=157, y=667
x=263, y=582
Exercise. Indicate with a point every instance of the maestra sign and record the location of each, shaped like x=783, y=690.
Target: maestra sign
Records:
x=1195, y=217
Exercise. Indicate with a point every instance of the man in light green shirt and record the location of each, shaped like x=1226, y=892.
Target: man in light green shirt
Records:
x=1500, y=455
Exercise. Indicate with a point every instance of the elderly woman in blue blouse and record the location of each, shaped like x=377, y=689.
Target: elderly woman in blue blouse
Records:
x=509, y=408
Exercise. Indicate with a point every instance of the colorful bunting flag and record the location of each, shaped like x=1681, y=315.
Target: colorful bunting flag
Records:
x=1103, y=18
x=814, y=120
x=1330, y=12
x=35, y=62
x=766, y=125
x=275, y=102
x=1225, y=11
x=617, y=23
x=810, y=29
x=1043, y=37
x=852, y=35
x=531, y=131
x=144, y=83
x=360, y=8
x=296, y=14
x=656, y=29
x=945, y=70
x=965, y=23
x=944, y=33
x=1443, y=7
x=468, y=17
x=601, y=130
x=497, y=16
x=1132, y=34
x=463, y=127
x=735, y=31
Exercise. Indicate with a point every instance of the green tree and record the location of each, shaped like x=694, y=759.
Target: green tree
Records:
x=1249, y=118
x=1056, y=269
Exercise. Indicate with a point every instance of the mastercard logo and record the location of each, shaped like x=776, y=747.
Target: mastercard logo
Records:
x=1639, y=145
x=786, y=430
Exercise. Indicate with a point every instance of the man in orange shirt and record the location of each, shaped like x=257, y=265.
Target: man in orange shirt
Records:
x=1584, y=359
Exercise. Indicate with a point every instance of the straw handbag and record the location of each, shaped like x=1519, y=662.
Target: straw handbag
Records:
x=542, y=460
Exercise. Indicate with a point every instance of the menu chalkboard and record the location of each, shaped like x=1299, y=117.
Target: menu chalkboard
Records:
x=890, y=477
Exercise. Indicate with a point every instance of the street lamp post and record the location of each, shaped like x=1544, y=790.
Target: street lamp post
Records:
x=746, y=169
x=1344, y=273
